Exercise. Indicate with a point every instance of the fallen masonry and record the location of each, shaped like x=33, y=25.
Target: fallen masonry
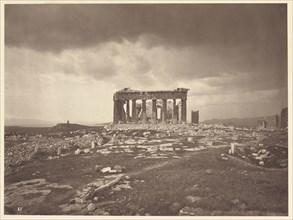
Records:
x=107, y=184
x=27, y=194
x=147, y=141
x=87, y=200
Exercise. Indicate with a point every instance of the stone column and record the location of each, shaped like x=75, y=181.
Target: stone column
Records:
x=133, y=115
x=127, y=111
x=174, y=115
x=123, y=112
x=183, y=111
x=164, y=111
x=115, y=112
x=119, y=115
x=143, y=113
x=154, y=111
x=179, y=112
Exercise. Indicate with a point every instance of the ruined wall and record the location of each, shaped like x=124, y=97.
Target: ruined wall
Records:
x=284, y=118
x=272, y=121
x=194, y=117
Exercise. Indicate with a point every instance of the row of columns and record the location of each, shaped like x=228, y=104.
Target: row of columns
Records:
x=120, y=115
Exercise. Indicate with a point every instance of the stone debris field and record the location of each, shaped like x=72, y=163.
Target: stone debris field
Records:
x=148, y=169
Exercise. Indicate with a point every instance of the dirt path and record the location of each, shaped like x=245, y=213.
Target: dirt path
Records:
x=148, y=168
x=161, y=164
x=247, y=163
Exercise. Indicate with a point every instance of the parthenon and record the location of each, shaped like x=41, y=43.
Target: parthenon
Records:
x=122, y=99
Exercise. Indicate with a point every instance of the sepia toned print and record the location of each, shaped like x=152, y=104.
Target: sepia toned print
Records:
x=144, y=109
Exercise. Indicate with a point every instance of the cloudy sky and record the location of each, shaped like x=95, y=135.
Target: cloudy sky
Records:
x=66, y=61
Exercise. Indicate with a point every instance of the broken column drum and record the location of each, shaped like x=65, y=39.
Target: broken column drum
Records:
x=124, y=96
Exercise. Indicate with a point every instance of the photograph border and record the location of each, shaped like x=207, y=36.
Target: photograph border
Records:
x=290, y=92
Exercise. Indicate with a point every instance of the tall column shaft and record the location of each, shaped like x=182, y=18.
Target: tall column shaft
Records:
x=177, y=116
x=143, y=113
x=115, y=112
x=174, y=113
x=183, y=110
x=180, y=113
x=164, y=110
x=154, y=111
x=127, y=111
x=123, y=112
x=133, y=115
x=118, y=115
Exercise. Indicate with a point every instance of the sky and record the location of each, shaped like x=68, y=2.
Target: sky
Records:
x=64, y=62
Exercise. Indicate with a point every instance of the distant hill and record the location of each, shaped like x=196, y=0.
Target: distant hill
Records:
x=60, y=127
x=242, y=122
x=28, y=122
x=25, y=130
x=103, y=124
x=67, y=127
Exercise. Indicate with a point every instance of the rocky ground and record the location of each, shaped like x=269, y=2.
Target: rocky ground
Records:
x=148, y=170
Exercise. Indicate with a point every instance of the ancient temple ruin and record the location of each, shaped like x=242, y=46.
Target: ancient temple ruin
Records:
x=138, y=112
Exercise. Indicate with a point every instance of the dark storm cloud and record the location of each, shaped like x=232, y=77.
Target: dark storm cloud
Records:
x=233, y=55
x=245, y=43
x=56, y=27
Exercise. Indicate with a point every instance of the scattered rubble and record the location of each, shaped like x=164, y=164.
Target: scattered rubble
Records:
x=98, y=168
x=189, y=211
x=270, y=156
x=91, y=207
x=147, y=142
x=224, y=157
x=141, y=142
x=192, y=199
x=27, y=194
x=209, y=171
x=49, y=146
x=175, y=207
x=116, y=169
x=87, y=201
